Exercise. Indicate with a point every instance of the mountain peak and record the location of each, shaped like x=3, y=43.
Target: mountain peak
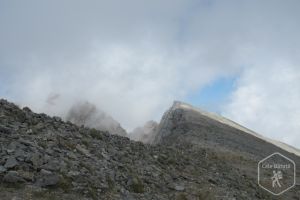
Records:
x=184, y=113
x=180, y=104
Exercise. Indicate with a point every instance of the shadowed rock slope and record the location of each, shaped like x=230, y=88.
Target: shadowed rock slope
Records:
x=45, y=158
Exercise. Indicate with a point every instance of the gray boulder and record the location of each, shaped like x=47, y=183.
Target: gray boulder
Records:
x=12, y=177
x=11, y=163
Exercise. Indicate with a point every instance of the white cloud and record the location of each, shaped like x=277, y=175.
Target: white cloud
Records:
x=132, y=58
x=131, y=82
x=267, y=101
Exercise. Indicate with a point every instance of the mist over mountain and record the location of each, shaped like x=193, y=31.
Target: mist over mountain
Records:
x=146, y=133
x=86, y=92
x=87, y=114
x=132, y=58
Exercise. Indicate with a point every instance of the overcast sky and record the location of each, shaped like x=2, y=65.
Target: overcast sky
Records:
x=133, y=58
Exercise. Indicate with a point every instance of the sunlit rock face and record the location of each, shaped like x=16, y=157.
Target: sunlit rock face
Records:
x=90, y=116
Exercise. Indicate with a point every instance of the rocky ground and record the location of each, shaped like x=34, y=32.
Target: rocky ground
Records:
x=46, y=158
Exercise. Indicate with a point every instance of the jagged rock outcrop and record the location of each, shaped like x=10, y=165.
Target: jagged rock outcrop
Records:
x=87, y=114
x=43, y=157
x=170, y=120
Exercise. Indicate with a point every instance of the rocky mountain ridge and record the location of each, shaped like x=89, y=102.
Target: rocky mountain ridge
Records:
x=177, y=105
x=165, y=126
x=45, y=158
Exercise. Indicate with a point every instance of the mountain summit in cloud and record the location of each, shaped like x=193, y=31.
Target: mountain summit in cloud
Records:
x=87, y=114
x=145, y=134
x=144, y=54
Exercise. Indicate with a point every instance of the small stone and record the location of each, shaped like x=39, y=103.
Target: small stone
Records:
x=71, y=155
x=48, y=180
x=136, y=185
x=27, y=175
x=5, y=130
x=12, y=177
x=83, y=150
x=49, y=151
x=35, y=159
x=45, y=172
x=2, y=169
x=52, y=165
x=9, y=151
x=29, y=131
x=20, y=153
x=39, y=126
x=73, y=173
x=26, y=142
x=179, y=188
x=57, y=119
x=26, y=109
x=12, y=147
x=11, y=163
